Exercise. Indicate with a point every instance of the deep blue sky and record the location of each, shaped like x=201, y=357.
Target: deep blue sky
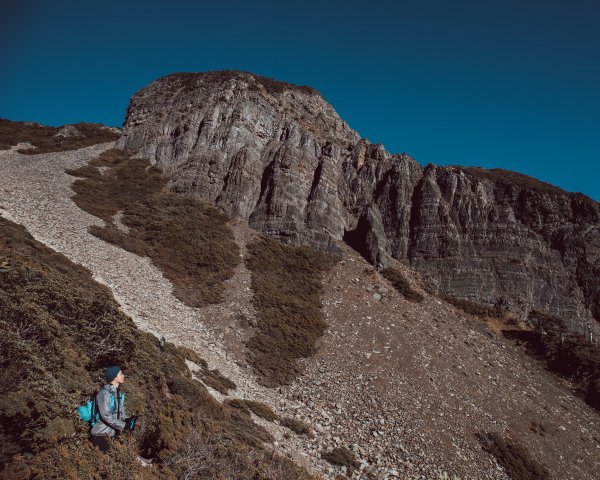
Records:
x=507, y=84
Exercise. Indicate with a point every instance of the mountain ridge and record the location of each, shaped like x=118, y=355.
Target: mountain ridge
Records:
x=281, y=158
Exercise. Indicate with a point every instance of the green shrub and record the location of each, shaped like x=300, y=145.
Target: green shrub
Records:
x=192, y=356
x=509, y=177
x=238, y=404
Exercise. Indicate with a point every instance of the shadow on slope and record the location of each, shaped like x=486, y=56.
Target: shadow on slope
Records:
x=515, y=459
x=58, y=330
x=186, y=238
x=567, y=354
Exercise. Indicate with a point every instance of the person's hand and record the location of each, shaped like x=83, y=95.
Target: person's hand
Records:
x=130, y=423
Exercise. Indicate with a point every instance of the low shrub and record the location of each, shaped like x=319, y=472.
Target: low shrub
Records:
x=238, y=404
x=187, y=239
x=189, y=81
x=216, y=380
x=59, y=329
x=397, y=280
x=261, y=409
x=340, y=456
x=45, y=139
x=287, y=286
x=192, y=356
x=515, y=459
x=296, y=426
x=204, y=457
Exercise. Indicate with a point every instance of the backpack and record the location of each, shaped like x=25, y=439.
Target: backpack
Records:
x=89, y=413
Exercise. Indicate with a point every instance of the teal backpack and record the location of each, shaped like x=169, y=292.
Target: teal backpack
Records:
x=89, y=413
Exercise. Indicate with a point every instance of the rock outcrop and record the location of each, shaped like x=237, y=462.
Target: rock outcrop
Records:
x=279, y=156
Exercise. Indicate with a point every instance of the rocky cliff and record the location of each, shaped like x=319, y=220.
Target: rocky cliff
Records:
x=279, y=156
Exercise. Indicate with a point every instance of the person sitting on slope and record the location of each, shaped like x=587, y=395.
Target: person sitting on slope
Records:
x=111, y=407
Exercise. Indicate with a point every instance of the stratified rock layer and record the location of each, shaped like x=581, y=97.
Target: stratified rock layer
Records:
x=279, y=156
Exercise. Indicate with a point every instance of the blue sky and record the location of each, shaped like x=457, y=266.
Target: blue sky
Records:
x=497, y=84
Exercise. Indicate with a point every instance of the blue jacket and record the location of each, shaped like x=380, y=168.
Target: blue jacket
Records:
x=111, y=419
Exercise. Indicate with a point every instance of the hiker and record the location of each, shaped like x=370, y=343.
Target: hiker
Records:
x=111, y=407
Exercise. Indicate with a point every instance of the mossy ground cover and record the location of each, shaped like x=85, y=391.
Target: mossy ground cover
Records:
x=45, y=139
x=58, y=330
x=287, y=286
x=186, y=238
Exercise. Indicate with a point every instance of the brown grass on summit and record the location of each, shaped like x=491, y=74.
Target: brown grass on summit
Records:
x=188, y=81
x=508, y=176
x=287, y=286
x=45, y=139
x=186, y=238
x=515, y=459
x=58, y=330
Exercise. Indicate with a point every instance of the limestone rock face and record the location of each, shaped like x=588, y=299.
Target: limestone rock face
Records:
x=501, y=237
x=262, y=150
x=279, y=156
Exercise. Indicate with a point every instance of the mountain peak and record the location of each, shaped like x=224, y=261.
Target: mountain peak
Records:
x=280, y=157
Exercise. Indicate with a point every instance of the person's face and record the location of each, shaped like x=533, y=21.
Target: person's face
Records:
x=120, y=378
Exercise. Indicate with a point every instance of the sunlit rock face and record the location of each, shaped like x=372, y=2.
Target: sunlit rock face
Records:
x=279, y=156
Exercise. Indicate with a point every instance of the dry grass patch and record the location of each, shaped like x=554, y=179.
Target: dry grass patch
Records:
x=397, y=280
x=341, y=456
x=508, y=176
x=238, y=404
x=261, y=409
x=202, y=458
x=287, y=286
x=192, y=356
x=515, y=459
x=58, y=330
x=296, y=426
x=216, y=380
x=46, y=139
x=186, y=238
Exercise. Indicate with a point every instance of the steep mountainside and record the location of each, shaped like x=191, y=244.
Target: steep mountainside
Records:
x=412, y=389
x=278, y=156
